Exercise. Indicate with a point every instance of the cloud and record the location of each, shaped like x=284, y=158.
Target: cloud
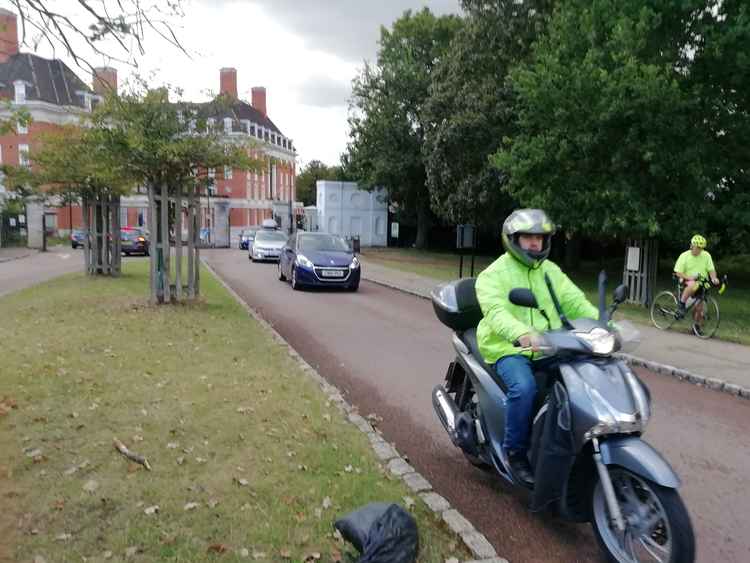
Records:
x=323, y=91
x=348, y=29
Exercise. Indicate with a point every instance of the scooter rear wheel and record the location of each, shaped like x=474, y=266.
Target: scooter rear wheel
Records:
x=657, y=524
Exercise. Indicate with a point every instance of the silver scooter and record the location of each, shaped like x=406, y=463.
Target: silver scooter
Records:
x=588, y=458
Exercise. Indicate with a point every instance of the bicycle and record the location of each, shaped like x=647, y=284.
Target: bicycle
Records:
x=665, y=311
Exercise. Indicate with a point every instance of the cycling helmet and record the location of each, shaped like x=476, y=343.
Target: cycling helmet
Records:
x=527, y=222
x=698, y=241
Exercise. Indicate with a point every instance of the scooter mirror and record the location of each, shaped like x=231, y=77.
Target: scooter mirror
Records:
x=620, y=294
x=523, y=298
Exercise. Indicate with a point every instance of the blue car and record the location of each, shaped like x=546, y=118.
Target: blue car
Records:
x=319, y=260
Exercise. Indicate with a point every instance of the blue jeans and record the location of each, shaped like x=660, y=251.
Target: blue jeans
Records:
x=516, y=371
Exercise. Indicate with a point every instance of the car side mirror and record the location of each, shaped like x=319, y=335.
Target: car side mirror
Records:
x=523, y=298
x=620, y=294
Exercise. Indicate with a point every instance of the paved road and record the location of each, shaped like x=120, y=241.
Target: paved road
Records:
x=39, y=267
x=385, y=350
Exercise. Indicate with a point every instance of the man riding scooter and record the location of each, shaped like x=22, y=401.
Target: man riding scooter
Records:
x=507, y=334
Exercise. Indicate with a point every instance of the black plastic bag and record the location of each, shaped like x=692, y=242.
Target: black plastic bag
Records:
x=382, y=533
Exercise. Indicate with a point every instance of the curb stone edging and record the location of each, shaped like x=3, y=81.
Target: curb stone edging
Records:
x=16, y=257
x=713, y=383
x=396, y=465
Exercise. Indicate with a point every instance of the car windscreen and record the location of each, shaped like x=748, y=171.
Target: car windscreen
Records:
x=271, y=236
x=316, y=243
x=131, y=234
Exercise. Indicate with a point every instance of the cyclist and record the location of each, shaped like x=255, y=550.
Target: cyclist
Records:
x=694, y=265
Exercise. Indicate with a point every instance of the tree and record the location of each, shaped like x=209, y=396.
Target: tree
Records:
x=168, y=147
x=123, y=22
x=309, y=175
x=471, y=108
x=607, y=140
x=387, y=119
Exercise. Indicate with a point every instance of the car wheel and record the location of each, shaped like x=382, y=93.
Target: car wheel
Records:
x=353, y=287
x=282, y=277
x=295, y=283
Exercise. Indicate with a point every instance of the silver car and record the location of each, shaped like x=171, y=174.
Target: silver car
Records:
x=267, y=245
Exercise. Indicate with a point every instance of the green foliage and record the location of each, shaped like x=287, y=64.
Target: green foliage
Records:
x=608, y=142
x=387, y=117
x=309, y=175
x=471, y=108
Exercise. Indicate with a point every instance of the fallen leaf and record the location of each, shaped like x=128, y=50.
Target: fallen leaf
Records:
x=191, y=506
x=244, y=553
x=242, y=482
x=348, y=469
x=59, y=504
x=63, y=537
x=312, y=557
x=91, y=486
x=409, y=502
x=217, y=548
x=285, y=553
x=131, y=551
x=152, y=510
x=259, y=554
x=213, y=503
x=39, y=559
x=327, y=503
x=201, y=460
x=107, y=554
x=180, y=460
x=36, y=452
x=173, y=445
x=138, y=438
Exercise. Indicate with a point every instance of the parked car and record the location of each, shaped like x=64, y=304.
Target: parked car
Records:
x=267, y=245
x=204, y=237
x=133, y=240
x=78, y=238
x=319, y=259
x=246, y=238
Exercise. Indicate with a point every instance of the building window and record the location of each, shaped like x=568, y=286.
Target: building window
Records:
x=23, y=156
x=22, y=129
x=227, y=125
x=227, y=172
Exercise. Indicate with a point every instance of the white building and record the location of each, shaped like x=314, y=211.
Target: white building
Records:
x=345, y=210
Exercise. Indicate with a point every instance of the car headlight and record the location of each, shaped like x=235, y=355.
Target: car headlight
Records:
x=354, y=264
x=302, y=260
x=601, y=341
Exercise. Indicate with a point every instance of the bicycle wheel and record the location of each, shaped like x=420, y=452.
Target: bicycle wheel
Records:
x=664, y=310
x=710, y=319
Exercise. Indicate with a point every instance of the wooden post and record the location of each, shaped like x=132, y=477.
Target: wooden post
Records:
x=178, y=241
x=85, y=210
x=153, y=247
x=197, y=230
x=191, y=241
x=165, y=248
x=108, y=242
x=116, y=242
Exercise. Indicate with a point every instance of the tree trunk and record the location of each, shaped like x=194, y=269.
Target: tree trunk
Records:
x=116, y=242
x=572, y=251
x=423, y=223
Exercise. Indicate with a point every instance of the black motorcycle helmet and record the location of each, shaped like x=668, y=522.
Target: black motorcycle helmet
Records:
x=527, y=222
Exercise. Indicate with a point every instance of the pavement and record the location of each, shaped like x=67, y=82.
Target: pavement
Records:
x=384, y=350
x=14, y=253
x=22, y=268
x=714, y=359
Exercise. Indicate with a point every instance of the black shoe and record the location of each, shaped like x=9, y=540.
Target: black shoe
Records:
x=681, y=309
x=697, y=329
x=519, y=465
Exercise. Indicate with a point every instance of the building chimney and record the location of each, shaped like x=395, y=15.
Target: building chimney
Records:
x=8, y=35
x=228, y=82
x=259, y=99
x=104, y=81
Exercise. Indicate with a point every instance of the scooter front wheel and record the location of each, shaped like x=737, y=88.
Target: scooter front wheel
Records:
x=657, y=524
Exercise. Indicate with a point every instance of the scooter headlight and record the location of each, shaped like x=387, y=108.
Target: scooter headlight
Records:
x=612, y=420
x=600, y=340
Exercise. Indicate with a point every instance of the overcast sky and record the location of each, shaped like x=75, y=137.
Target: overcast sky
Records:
x=305, y=52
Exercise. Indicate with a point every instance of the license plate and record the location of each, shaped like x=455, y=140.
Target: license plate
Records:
x=332, y=273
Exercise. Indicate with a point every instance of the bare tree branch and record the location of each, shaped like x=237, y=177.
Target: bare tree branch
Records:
x=118, y=20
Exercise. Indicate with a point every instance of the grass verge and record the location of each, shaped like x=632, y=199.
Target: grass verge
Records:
x=249, y=457
x=734, y=304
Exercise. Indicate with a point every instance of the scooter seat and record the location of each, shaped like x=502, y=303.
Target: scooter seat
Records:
x=469, y=338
